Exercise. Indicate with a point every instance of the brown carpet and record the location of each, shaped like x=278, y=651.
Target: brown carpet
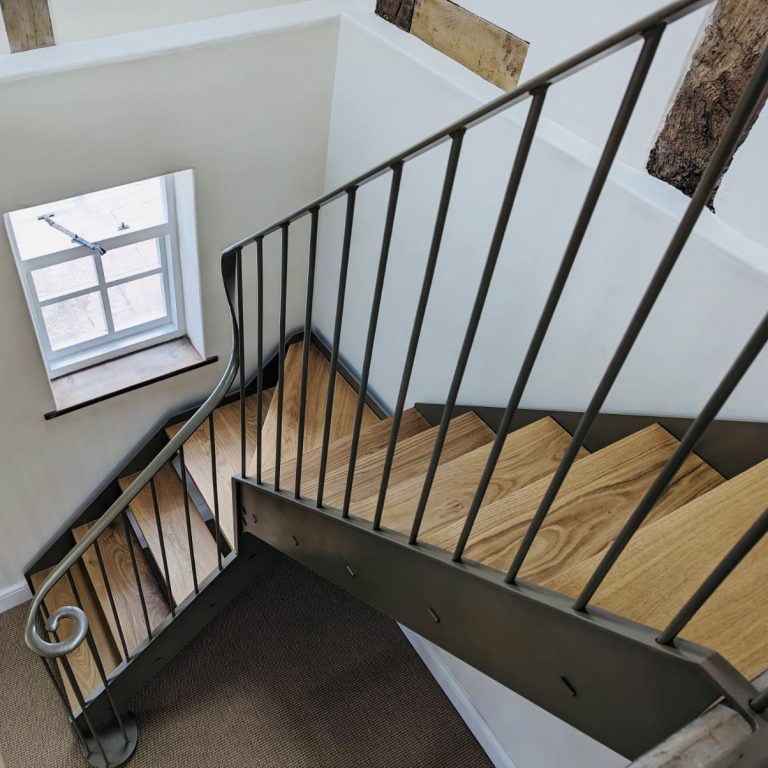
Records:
x=293, y=674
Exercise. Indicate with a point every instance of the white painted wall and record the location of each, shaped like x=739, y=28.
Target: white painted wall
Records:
x=86, y=19
x=5, y=47
x=89, y=116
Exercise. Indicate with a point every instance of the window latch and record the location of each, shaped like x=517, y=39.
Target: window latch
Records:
x=48, y=219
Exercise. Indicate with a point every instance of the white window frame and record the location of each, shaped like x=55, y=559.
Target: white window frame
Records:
x=114, y=343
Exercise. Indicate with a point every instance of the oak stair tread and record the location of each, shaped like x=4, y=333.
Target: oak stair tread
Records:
x=411, y=459
x=170, y=501
x=342, y=420
x=197, y=455
x=81, y=661
x=372, y=438
x=597, y=497
x=528, y=454
x=116, y=556
x=668, y=560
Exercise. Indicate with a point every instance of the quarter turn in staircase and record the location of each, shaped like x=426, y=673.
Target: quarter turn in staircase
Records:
x=613, y=580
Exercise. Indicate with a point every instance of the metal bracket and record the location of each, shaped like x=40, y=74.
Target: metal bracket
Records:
x=75, y=238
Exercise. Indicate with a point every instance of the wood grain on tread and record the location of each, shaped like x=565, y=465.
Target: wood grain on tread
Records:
x=116, y=557
x=342, y=421
x=466, y=432
x=528, y=454
x=600, y=492
x=197, y=455
x=668, y=560
x=170, y=501
x=81, y=661
x=373, y=438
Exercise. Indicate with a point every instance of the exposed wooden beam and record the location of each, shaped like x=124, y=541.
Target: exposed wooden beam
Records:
x=720, y=69
x=398, y=12
x=28, y=24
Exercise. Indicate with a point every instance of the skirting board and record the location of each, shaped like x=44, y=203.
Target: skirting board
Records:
x=460, y=700
x=14, y=595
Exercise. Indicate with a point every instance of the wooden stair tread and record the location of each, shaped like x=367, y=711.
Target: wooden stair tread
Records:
x=372, y=438
x=528, y=454
x=342, y=421
x=116, y=557
x=668, y=560
x=466, y=432
x=600, y=492
x=197, y=455
x=81, y=661
x=170, y=500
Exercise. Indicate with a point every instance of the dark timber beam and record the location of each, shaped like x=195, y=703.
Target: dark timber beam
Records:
x=28, y=24
x=721, y=67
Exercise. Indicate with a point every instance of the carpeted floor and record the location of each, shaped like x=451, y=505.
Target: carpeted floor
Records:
x=293, y=674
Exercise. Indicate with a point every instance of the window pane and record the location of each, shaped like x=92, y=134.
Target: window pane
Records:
x=68, y=277
x=73, y=321
x=95, y=216
x=131, y=260
x=137, y=302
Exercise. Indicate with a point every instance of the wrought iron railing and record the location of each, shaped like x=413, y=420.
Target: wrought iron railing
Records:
x=648, y=32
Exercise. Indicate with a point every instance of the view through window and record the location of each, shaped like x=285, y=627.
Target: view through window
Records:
x=98, y=271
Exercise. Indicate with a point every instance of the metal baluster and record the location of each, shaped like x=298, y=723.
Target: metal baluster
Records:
x=158, y=523
x=710, y=410
x=516, y=175
x=305, y=351
x=215, y=481
x=63, y=698
x=281, y=354
x=135, y=565
x=241, y=355
x=259, y=352
x=760, y=703
x=340, y=296
x=707, y=183
x=111, y=598
x=394, y=192
x=611, y=148
x=724, y=569
x=190, y=541
x=457, y=139
x=97, y=658
x=64, y=661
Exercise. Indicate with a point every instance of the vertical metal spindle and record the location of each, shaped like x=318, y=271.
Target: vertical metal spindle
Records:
x=340, y=296
x=281, y=354
x=215, y=482
x=62, y=696
x=136, y=575
x=64, y=661
x=96, y=656
x=688, y=442
x=111, y=598
x=709, y=179
x=190, y=540
x=607, y=157
x=389, y=224
x=314, y=213
x=259, y=352
x=164, y=557
x=748, y=541
x=81, y=703
x=241, y=355
x=515, y=177
x=457, y=139
x=760, y=703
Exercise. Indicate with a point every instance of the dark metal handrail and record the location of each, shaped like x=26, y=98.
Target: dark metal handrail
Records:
x=75, y=613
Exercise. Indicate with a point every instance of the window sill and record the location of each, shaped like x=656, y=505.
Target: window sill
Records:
x=124, y=374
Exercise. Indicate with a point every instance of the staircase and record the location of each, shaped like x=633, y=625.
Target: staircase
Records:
x=606, y=567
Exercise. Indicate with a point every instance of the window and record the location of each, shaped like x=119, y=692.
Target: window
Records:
x=100, y=272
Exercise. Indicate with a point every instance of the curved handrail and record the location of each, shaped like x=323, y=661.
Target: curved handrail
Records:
x=47, y=649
